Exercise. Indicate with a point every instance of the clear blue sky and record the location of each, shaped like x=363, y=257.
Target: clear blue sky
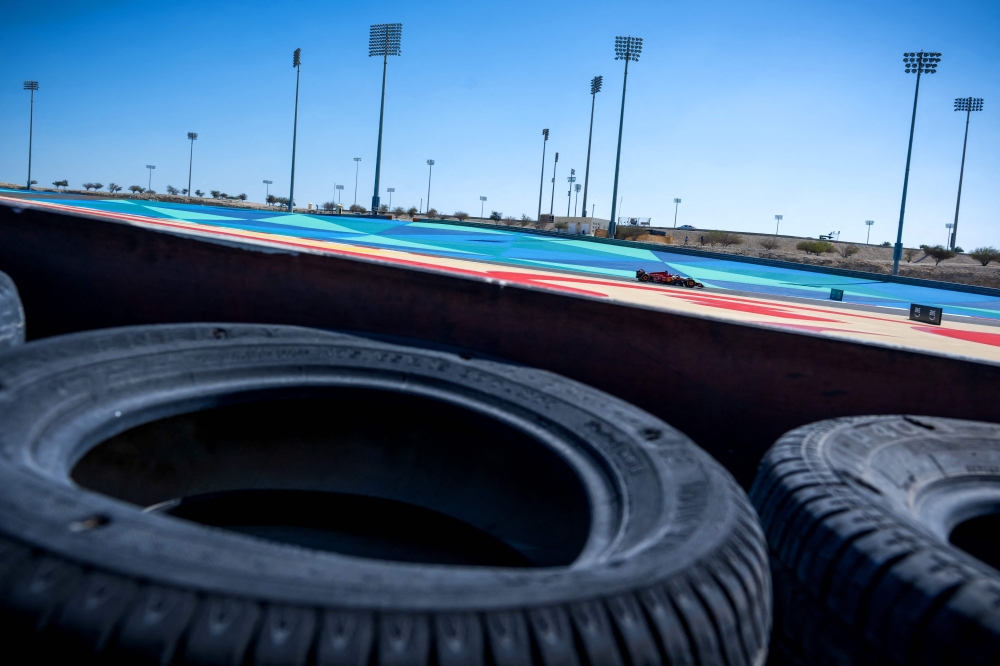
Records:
x=742, y=109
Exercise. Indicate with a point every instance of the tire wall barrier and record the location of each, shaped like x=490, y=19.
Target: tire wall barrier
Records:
x=11, y=314
x=734, y=389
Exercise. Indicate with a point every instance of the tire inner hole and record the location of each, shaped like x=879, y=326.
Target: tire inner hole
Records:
x=979, y=537
x=362, y=472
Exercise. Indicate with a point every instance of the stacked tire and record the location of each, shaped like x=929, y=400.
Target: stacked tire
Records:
x=884, y=542
x=11, y=314
x=624, y=542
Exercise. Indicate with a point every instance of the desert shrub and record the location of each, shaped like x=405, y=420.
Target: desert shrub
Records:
x=134, y=189
x=938, y=253
x=958, y=248
x=411, y=211
x=496, y=216
x=723, y=238
x=114, y=187
x=88, y=186
x=60, y=183
x=885, y=244
x=561, y=225
x=847, y=250
x=432, y=213
x=355, y=208
x=908, y=254
x=329, y=205
x=399, y=210
x=985, y=255
x=525, y=221
x=215, y=193
x=814, y=246
x=172, y=190
x=241, y=197
x=769, y=243
x=384, y=208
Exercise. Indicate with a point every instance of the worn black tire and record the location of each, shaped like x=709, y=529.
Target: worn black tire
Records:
x=674, y=569
x=11, y=314
x=857, y=513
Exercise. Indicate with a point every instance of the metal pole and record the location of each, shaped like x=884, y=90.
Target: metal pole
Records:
x=552, y=201
x=621, y=124
x=190, y=167
x=576, y=203
x=430, y=169
x=381, y=116
x=569, y=195
x=541, y=180
x=31, y=133
x=677, y=203
x=295, y=131
x=897, y=251
x=961, y=174
x=357, y=165
x=590, y=140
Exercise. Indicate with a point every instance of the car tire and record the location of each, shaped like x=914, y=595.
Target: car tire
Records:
x=670, y=565
x=862, y=517
x=11, y=314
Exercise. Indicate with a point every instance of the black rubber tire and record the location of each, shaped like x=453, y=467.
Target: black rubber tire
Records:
x=858, y=513
x=674, y=568
x=11, y=314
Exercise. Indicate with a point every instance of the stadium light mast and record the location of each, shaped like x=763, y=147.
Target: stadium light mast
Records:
x=576, y=203
x=390, y=190
x=297, y=64
x=569, y=195
x=383, y=40
x=357, y=166
x=191, y=136
x=541, y=182
x=267, y=189
x=626, y=48
x=777, y=223
x=482, y=204
x=868, y=238
x=32, y=86
x=149, y=185
x=595, y=87
x=967, y=104
x=340, y=197
x=948, y=226
x=922, y=62
x=430, y=169
x=552, y=200
x=677, y=203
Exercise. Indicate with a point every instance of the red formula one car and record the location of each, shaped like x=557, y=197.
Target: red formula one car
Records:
x=668, y=278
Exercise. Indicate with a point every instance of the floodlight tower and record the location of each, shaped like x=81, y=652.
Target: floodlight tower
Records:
x=569, y=195
x=922, y=62
x=191, y=136
x=552, y=199
x=430, y=168
x=777, y=223
x=340, y=196
x=576, y=203
x=677, y=203
x=948, y=226
x=267, y=189
x=149, y=185
x=297, y=64
x=595, y=87
x=383, y=40
x=967, y=104
x=482, y=204
x=357, y=166
x=32, y=86
x=541, y=181
x=390, y=190
x=868, y=238
x=626, y=48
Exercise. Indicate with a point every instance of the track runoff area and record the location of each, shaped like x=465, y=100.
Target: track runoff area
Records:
x=772, y=296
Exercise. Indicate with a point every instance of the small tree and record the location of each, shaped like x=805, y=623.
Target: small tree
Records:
x=814, y=246
x=281, y=201
x=172, y=190
x=723, y=238
x=87, y=186
x=184, y=191
x=215, y=193
x=769, y=243
x=885, y=244
x=98, y=186
x=199, y=193
x=60, y=183
x=938, y=253
x=958, y=248
x=241, y=196
x=908, y=254
x=399, y=210
x=355, y=208
x=496, y=216
x=847, y=250
x=271, y=200
x=985, y=255
x=461, y=215
x=525, y=220
x=510, y=220
x=384, y=208
x=134, y=189
x=329, y=205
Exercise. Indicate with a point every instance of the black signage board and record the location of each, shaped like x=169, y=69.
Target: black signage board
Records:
x=925, y=313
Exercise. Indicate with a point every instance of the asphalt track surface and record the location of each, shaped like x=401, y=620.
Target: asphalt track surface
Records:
x=774, y=296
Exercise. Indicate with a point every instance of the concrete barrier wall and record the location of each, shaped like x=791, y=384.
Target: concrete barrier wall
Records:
x=733, y=388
